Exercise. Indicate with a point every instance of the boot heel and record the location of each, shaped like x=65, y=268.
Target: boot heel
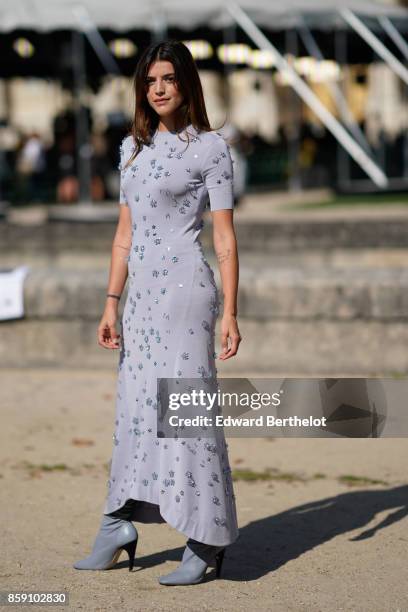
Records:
x=131, y=550
x=219, y=558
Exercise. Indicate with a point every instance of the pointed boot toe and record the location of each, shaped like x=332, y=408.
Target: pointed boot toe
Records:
x=193, y=568
x=115, y=535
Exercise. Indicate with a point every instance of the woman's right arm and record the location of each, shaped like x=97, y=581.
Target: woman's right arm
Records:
x=118, y=272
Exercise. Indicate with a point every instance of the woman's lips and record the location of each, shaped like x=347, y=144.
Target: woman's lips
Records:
x=160, y=102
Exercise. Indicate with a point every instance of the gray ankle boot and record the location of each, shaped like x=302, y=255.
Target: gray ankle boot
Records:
x=197, y=557
x=114, y=536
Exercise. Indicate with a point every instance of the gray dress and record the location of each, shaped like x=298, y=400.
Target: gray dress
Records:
x=168, y=330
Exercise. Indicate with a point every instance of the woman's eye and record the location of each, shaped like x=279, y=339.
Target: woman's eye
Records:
x=170, y=79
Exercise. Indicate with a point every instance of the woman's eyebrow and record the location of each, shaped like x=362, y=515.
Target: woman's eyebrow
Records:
x=164, y=75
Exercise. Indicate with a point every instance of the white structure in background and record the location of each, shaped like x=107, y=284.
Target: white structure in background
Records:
x=254, y=104
x=115, y=96
x=214, y=96
x=12, y=293
x=386, y=110
x=33, y=104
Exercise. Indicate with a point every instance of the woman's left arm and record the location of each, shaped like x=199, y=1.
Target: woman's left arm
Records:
x=225, y=247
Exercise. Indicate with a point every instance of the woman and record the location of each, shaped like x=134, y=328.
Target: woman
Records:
x=171, y=165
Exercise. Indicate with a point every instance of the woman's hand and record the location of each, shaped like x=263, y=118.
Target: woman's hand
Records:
x=107, y=336
x=229, y=330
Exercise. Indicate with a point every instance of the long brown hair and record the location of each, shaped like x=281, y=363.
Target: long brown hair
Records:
x=192, y=109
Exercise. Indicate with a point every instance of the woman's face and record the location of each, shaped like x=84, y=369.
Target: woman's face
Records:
x=161, y=89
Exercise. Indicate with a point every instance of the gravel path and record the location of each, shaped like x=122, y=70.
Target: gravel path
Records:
x=317, y=532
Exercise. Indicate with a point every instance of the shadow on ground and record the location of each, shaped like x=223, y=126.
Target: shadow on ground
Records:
x=267, y=544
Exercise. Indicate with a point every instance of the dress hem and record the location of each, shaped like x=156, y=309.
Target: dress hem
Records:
x=186, y=526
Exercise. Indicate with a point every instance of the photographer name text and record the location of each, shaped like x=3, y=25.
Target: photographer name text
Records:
x=259, y=421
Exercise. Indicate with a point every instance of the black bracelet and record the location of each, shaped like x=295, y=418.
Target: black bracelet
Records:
x=113, y=295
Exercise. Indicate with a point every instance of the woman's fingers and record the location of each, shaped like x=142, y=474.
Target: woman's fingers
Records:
x=233, y=349
x=101, y=335
x=224, y=343
x=107, y=336
x=114, y=337
x=235, y=340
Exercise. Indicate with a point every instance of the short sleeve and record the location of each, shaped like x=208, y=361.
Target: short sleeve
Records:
x=122, y=162
x=217, y=174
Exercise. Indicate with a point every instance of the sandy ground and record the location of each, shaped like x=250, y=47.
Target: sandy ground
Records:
x=312, y=539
